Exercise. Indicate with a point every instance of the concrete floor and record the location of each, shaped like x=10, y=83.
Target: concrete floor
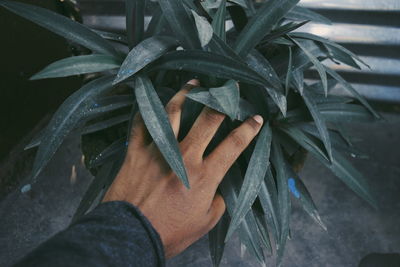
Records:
x=354, y=229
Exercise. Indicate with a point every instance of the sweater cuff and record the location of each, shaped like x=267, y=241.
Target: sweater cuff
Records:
x=127, y=212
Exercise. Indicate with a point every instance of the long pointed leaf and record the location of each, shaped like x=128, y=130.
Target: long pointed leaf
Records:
x=289, y=71
x=95, y=127
x=117, y=147
x=327, y=42
x=248, y=231
x=256, y=170
x=268, y=196
x=228, y=97
x=262, y=23
x=343, y=169
x=216, y=239
x=135, y=11
x=352, y=91
x=62, y=26
x=210, y=64
x=143, y=54
x=261, y=65
x=218, y=22
x=339, y=166
x=112, y=36
x=319, y=120
x=345, y=113
x=157, y=122
x=320, y=68
x=281, y=31
x=77, y=65
x=300, y=192
x=301, y=13
x=203, y=96
x=66, y=118
x=283, y=195
x=204, y=29
x=100, y=183
x=181, y=23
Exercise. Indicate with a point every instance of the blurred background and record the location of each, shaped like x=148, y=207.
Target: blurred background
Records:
x=357, y=234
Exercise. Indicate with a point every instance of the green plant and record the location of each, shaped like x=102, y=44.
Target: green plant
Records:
x=186, y=39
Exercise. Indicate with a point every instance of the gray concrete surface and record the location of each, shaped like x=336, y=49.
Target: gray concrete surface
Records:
x=354, y=228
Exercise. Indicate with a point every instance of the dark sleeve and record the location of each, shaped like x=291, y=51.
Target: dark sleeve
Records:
x=113, y=234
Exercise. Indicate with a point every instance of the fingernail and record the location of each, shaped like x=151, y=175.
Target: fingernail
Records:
x=194, y=82
x=258, y=119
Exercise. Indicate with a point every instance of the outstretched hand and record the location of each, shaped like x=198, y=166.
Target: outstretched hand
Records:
x=180, y=215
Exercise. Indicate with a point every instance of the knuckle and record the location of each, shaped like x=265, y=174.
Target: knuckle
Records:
x=212, y=116
x=189, y=144
x=237, y=138
x=173, y=108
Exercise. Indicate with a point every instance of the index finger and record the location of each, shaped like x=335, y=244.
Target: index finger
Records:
x=227, y=152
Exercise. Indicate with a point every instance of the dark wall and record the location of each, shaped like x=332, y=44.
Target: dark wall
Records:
x=25, y=48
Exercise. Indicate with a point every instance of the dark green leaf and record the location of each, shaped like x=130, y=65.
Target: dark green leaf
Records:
x=210, y=64
x=112, y=36
x=116, y=147
x=66, y=118
x=107, y=104
x=339, y=165
x=274, y=87
x=269, y=201
x=308, y=142
x=300, y=59
x=283, y=195
x=218, y=46
x=344, y=113
x=158, y=24
x=228, y=97
x=218, y=22
x=262, y=23
x=261, y=65
x=101, y=125
x=338, y=141
x=301, y=13
x=100, y=183
x=281, y=31
x=238, y=16
x=320, y=68
x=263, y=228
x=203, y=96
x=352, y=91
x=319, y=120
x=216, y=239
x=289, y=71
x=298, y=80
x=143, y=54
x=181, y=23
x=159, y=127
x=343, y=169
x=77, y=65
x=248, y=231
x=204, y=29
x=337, y=54
x=135, y=11
x=328, y=43
x=300, y=192
x=256, y=170
x=62, y=26
x=101, y=106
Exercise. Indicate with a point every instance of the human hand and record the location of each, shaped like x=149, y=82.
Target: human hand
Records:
x=180, y=215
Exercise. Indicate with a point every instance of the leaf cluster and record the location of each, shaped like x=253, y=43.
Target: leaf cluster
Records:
x=264, y=52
